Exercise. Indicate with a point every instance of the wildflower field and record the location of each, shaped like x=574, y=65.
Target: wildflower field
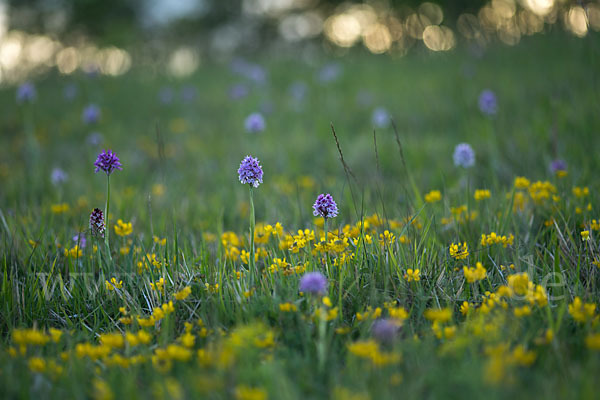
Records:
x=355, y=228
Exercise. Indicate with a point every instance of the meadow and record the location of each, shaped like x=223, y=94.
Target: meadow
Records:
x=445, y=273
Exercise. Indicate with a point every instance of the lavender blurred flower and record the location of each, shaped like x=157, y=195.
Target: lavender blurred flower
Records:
x=70, y=91
x=330, y=73
x=107, y=161
x=26, y=93
x=95, y=138
x=381, y=118
x=255, y=123
x=58, y=176
x=238, y=91
x=97, y=223
x=80, y=240
x=488, y=103
x=165, y=95
x=325, y=206
x=558, y=165
x=250, y=171
x=384, y=330
x=91, y=114
x=188, y=94
x=464, y=156
x=248, y=70
x=298, y=90
x=313, y=282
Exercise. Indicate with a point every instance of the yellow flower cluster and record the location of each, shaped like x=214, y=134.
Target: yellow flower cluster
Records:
x=540, y=191
x=460, y=215
x=370, y=313
x=493, y=238
x=521, y=182
x=157, y=314
x=74, y=252
x=243, y=392
x=475, y=274
x=159, y=285
x=582, y=312
x=398, y=314
x=581, y=192
x=439, y=315
x=482, y=194
x=412, y=275
x=159, y=241
x=288, y=307
x=592, y=341
x=60, y=208
x=123, y=228
x=183, y=293
x=163, y=358
x=278, y=264
x=459, y=251
x=501, y=358
x=433, y=196
x=370, y=350
x=113, y=284
x=149, y=260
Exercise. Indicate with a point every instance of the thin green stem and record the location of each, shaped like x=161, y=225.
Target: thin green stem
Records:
x=252, y=223
x=322, y=329
x=106, y=217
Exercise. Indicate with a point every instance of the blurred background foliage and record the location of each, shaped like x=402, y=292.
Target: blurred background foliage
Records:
x=109, y=36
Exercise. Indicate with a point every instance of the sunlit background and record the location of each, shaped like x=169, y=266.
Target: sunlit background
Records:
x=109, y=37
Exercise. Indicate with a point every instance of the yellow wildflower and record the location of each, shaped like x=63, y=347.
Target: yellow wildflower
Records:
x=123, y=228
x=412, y=275
x=458, y=251
x=183, y=293
x=433, y=196
x=482, y=194
x=475, y=274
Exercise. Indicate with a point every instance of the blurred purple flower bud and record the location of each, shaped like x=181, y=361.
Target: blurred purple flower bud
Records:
x=313, y=282
x=254, y=123
x=26, y=93
x=488, y=103
x=91, y=114
x=58, y=176
x=381, y=118
x=464, y=156
x=384, y=330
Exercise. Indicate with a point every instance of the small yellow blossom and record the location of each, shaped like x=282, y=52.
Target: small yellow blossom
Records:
x=482, y=194
x=458, y=251
x=113, y=284
x=521, y=182
x=433, y=196
x=475, y=274
x=123, y=228
x=183, y=293
x=288, y=307
x=60, y=208
x=580, y=311
x=585, y=235
x=581, y=192
x=412, y=275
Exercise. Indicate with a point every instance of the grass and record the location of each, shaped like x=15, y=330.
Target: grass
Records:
x=231, y=331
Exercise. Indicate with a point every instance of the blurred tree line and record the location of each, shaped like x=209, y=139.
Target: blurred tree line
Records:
x=123, y=21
